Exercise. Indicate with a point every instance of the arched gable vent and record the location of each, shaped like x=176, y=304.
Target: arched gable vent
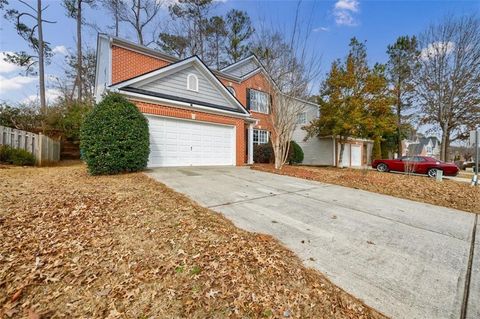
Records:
x=192, y=82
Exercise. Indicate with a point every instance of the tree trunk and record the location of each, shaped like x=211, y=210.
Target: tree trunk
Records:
x=340, y=155
x=116, y=17
x=41, y=62
x=444, y=146
x=137, y=23
x=399, y=124
x=79, y=51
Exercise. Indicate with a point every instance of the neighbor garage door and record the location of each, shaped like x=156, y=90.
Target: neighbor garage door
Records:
x=190, y=143
x=356, y=153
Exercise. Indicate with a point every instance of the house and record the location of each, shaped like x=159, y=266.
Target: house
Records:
x=325, y=151
x=197, y=116
x=422, y=146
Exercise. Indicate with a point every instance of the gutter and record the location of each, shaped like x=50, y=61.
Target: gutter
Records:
x=189, y=106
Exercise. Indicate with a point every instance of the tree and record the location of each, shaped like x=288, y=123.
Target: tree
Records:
x=173, y=44
x=139, y=14
x=239, y=29
x=447, y=85
x=216, y=33
x=88, y=79
x=354, y=101
x=33, y=35
x=193, y=16
x=401, y=68
x=3, y=3
x=74, y=10
x=117, y=8
x=292, y=66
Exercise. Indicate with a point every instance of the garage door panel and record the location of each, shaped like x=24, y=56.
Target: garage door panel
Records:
x=184, y=143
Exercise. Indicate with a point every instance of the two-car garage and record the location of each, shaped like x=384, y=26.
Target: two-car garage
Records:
x=181, y=142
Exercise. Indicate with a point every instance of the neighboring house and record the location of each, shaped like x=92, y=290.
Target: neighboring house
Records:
x=198, y=116
x=422, y=146
x=325, y=151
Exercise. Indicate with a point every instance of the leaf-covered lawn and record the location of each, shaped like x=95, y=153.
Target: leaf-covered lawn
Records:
x=126, y=246
x=422, y=189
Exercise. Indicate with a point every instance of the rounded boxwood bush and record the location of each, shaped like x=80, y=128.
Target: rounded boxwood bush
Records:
x=295, y=155
x=114, y=137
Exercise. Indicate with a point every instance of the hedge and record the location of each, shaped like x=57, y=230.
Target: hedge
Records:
x=114, y=137
x=16, y=156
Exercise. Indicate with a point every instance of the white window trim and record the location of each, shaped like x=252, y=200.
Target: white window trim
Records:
x=268, y=101
x=188, y=82
x=257, y=142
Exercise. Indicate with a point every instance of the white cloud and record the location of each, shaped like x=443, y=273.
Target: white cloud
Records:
x=50, y=96
x=437, y=49
x=14, y=83
x=7, y=67
x=348, y=5
x=319, y=29
x=344, y=11
x=60, y=49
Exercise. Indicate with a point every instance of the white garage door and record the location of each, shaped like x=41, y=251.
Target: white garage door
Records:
x=188, y=143
x=356, y=155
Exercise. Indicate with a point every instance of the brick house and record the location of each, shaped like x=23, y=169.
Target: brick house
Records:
x=197, y=116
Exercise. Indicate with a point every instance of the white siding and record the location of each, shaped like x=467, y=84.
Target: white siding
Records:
x=176, y=84
x=102, y=72
x=317, y=151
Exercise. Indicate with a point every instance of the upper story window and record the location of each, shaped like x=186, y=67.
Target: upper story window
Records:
x=231, y=90
x=259, y=101
x=192, y=82
x=302, y=118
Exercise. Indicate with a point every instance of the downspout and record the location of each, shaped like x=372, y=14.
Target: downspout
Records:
x=334, y=151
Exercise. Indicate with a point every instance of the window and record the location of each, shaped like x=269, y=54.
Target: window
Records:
x=260, y=137
x=231, y=90
x=192, y=82
x=302, y=118
x=259, y=101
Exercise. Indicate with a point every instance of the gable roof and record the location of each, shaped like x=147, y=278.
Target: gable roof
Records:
x=128, y=85
x=243, y=68
x=223, y=73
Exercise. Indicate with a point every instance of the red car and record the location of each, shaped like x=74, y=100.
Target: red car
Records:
x=416, y=164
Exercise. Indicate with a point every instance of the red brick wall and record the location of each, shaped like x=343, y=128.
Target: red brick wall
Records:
x=127, y=64
x=257, y=82
x=170, y=111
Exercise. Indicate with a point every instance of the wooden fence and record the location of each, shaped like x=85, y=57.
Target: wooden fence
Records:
x=45, y=149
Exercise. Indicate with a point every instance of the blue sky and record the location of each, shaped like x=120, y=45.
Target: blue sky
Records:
x=333, y=24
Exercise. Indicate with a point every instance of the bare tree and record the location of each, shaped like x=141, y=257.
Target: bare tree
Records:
x=448, y=83
x=34, y=37
x=117, y=9
x=74, y=10
x=294, y=67
x=139, y=14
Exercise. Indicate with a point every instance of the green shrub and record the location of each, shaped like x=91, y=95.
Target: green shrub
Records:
x=295, y=154
x=263, y=153
x=114, y=137
x=16, y=156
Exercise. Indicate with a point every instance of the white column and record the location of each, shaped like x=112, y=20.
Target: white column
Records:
x=250, y=144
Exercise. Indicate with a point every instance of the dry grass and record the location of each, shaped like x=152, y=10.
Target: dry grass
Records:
x=422, y=189
x=125, y=246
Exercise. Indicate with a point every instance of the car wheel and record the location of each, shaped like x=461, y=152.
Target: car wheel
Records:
x=432, y=172
x=382, y=167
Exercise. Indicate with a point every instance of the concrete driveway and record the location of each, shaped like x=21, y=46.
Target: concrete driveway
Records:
x=404, y=258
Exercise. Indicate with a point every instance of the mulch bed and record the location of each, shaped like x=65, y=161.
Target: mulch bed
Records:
x=125, y=246
x=422, y=189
